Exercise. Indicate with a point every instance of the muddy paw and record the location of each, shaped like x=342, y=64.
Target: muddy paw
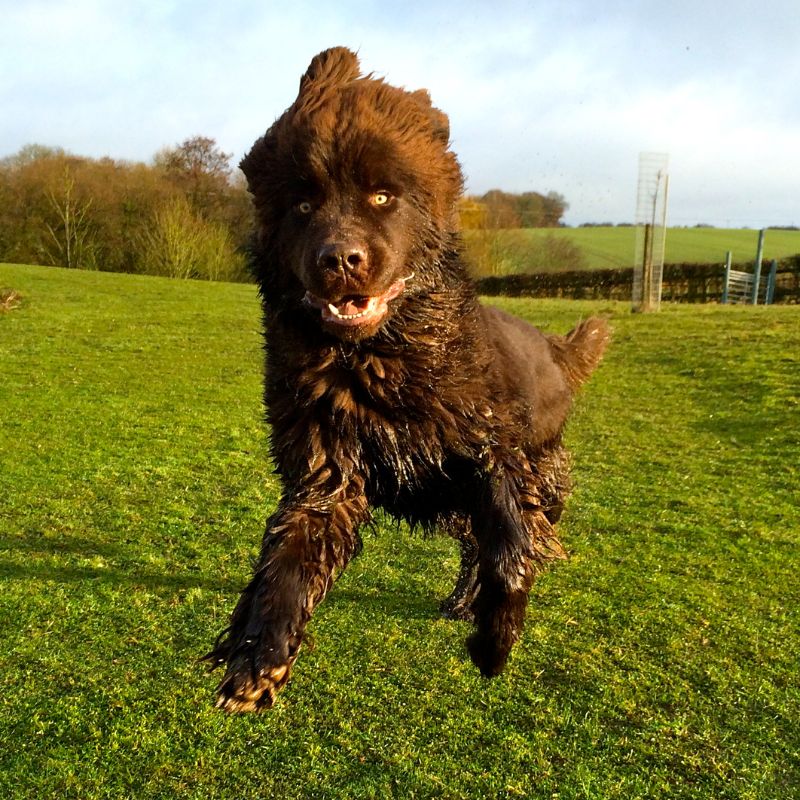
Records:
x=457, y=611
x=244, y=690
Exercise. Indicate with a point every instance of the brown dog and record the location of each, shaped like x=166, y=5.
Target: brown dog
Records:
x=387, y=383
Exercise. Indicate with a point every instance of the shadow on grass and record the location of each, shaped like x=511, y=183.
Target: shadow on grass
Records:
x=36, y=542
x=389, y=602
x=117, y=575
x=402, y=604
x=369, y=601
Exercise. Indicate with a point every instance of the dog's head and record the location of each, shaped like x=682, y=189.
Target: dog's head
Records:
x=355, y=192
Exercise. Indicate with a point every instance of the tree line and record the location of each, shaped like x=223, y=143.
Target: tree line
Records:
x=499, y=210
x=186, y=214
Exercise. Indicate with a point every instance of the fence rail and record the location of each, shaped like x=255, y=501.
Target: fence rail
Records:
x=740, y=286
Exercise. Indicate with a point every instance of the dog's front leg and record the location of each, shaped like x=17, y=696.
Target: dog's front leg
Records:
x=306, y=544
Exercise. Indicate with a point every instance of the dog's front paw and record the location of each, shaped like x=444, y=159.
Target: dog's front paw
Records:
x=257, y=668
x=245, y=688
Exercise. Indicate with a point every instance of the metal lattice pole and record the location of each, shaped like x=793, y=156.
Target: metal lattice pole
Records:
x=651, y=221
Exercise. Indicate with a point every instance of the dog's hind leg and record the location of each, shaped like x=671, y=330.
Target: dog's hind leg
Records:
x=551, y=482
x=306, y=545
x=514, y=537
x=459, y=604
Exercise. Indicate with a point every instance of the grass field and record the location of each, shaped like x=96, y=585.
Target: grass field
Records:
x=659, y=662
x=606, y=247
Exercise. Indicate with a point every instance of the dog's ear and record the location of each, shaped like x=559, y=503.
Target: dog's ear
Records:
x=438, y=119
x=335, y=66
x=249, y=164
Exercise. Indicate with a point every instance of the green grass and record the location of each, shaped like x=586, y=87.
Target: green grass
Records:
x=606, y=248
x=660, y=661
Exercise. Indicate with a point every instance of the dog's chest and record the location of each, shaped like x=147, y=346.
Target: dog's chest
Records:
x=400, y=418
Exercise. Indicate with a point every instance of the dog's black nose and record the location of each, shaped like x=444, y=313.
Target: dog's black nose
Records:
x=338, y=256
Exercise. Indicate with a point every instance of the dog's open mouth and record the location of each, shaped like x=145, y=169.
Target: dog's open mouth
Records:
x=354, y=309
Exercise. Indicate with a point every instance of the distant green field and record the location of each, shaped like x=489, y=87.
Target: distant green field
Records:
x=660, y=661
x=607, y=247
x=614, y=247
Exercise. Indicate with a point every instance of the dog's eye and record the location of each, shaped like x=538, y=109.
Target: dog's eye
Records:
x=380, y=198
x=304, y=207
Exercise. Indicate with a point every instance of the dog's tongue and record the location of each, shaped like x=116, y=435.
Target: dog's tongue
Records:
x=355, y=306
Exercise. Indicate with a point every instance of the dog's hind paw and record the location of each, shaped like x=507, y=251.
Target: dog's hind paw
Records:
x=487, y=654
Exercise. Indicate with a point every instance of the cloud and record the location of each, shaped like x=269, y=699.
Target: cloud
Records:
x=551, y=96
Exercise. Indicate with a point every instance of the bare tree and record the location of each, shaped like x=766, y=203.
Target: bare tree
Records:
x=201, y=169
x=71, y=245
x=181, y=244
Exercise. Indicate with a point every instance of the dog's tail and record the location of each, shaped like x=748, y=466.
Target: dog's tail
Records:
x=580, y=351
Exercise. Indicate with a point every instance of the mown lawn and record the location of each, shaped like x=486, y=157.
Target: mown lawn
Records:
x=661, y=661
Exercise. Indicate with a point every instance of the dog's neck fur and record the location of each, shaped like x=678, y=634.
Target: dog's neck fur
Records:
x=422, y=359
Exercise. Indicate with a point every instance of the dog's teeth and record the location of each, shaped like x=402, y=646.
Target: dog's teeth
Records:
x=338, y=314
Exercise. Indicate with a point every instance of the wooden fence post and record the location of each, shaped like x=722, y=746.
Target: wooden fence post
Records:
x=728, y=257
x=647, y=267
x=773, y=274
x=757, y=273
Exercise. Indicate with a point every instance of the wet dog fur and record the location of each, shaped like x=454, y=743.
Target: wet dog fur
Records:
x=387, y=383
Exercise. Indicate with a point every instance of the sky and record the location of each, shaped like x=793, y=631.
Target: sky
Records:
x=542, y=96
